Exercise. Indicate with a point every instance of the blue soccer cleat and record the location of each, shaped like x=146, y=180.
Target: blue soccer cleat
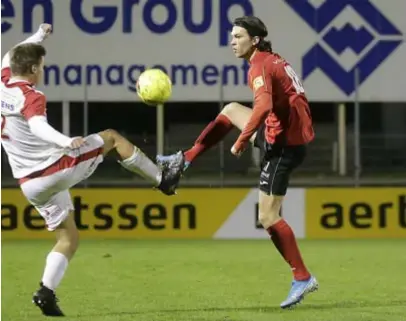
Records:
x=298, y=291
x=169, y=160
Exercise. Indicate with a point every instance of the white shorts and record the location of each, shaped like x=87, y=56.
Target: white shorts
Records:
x=48, y=189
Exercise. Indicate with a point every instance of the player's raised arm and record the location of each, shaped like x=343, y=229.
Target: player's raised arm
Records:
x=42, y=33
x=262, y=88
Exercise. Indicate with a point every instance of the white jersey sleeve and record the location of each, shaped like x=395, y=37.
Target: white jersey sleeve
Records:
x=39, y=127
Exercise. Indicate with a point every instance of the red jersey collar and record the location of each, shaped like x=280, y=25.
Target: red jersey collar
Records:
x=259, y=56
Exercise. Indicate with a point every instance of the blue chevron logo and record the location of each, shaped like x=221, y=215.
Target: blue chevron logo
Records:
x=348, y=37
x=339, y=40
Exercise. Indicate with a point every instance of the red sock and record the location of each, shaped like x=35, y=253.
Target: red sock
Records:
x=284, y=240
x=210, y=136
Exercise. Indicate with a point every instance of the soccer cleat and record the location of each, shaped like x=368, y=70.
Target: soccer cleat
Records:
x=169, y=160
x=298, y=291
x=46, y=300
x=171, y=174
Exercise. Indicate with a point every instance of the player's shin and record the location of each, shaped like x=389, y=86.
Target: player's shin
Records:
x=281, y=234
x=131, y=157
x=284, y=240
x=56, y=265
x=140, y=164
x=58, y=259
x=214, y=132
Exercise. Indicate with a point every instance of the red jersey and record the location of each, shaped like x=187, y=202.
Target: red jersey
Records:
x=279, y=101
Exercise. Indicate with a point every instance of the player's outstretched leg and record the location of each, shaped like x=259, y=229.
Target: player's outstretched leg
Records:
x=214, y=132
x=134, y=160
x=285, y=242
x=232, y=115
x=56, y=265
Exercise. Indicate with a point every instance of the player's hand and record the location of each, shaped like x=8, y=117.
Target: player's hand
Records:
x=77, y=142
x=238, y=148
x=46, y=29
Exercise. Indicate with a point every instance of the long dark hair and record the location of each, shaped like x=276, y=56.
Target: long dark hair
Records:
x=255, y=28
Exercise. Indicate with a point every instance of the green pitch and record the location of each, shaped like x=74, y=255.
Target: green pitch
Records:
x=210, y=280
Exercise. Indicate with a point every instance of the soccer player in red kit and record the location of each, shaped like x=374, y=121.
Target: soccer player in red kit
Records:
x=280, y=125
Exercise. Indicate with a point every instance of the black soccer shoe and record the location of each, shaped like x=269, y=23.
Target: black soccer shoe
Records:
x=46, y=300
x=172, y=174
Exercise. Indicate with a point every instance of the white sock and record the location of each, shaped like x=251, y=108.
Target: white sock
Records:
x=140, y=164
x=55, y=268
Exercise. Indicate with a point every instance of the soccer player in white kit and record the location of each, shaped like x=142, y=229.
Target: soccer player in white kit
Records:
x=47, y=163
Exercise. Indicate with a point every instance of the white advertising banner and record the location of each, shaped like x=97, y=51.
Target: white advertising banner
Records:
x=243, y=222
x=99, y=47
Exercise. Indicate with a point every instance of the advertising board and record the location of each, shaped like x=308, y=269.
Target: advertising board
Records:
x=99, y=47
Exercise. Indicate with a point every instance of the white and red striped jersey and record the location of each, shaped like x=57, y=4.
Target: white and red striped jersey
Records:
x=26, y=152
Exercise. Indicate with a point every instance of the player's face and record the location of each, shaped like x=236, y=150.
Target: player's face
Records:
x=38, y=72
x=241, y=42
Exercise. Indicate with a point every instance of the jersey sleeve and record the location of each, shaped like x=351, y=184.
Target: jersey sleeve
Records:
x=261, y=78
x=34, y=105
x=40, y=128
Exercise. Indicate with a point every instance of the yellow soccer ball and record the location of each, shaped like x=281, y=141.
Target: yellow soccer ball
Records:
x=154, y=87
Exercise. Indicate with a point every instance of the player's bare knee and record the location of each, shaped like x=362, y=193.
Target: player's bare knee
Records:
x=268, y=217
x=237, y=114
x=229, y=109
x=110, y=137
x=269, y=209
x=68, y=237
x=69, y=242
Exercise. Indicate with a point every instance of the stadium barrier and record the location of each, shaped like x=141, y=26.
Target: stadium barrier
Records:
x=220, y=213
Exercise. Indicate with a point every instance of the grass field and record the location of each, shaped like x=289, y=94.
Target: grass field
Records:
x=210, y=280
